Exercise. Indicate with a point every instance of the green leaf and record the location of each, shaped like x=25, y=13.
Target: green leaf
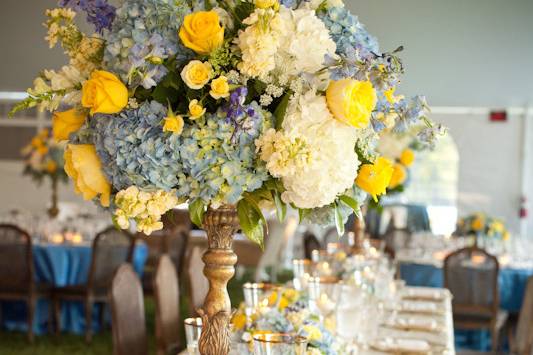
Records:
x=254, y=204
x=280, y=111
x=251, y=222
x=352, y=203
x=338, y=220
x=302, y=213
x=197, y=211
x=281, y=207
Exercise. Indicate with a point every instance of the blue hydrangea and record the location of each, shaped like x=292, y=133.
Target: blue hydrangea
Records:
x=134, y=149
x=145, y=32
x=99, y=12
x=351, y=37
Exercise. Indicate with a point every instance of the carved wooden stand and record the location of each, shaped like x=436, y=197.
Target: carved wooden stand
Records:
x=53, y=211
x=359, y=236
x=220, y=224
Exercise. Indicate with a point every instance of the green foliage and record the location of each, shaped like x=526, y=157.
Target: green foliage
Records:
x=352, y=203
x=281, y=109
x=197, y=209
x=252, y=220
x=339, y=223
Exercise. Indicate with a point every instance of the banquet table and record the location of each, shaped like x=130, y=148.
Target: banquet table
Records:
x=512, y=281
x=61, y=265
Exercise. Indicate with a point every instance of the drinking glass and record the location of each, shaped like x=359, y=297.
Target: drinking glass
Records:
x=301, y=270
x=193, y=330
x=279, y=344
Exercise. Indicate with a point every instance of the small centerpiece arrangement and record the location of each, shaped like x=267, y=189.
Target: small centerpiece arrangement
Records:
x=227, y=105
x=485, y=228
x=43, y=159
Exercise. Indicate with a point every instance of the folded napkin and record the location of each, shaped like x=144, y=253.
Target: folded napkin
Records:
x=400, y=345
x=414, y=323
x=440, y=339
x=425, y=293
x=417, y=307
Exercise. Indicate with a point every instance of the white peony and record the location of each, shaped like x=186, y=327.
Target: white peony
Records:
x=304, y=41
x=333, y=163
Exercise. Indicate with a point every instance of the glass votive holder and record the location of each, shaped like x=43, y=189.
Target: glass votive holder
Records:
x=279, y=344
x=324, y=287
x=255, y=294
x=301, y=272
x=332, y=248
x=193, y=330
x=319, y=255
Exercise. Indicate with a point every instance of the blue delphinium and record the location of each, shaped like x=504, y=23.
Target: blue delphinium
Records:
x=143, y=34
x=99, y=12
x=134, y=149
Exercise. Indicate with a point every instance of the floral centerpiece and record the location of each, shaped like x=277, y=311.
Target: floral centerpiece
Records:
x=241, y=103
x=480, y=224
x=43, y=159
x=286, y=311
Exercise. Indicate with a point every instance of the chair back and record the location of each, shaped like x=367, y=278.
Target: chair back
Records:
x=112, y=247
x=471, y=274
x=177, y=228
x=166, y=294
x=127, y=310
x=197, y=282
x=16, y=264
x=248, y=253
x=524, y=328
x=310, y=243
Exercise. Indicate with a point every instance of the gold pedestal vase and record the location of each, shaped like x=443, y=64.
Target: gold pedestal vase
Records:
x=220, y=224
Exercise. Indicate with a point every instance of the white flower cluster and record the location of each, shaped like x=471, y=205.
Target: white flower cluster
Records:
x=392, y=145
x=146, y=208
x=330, y=164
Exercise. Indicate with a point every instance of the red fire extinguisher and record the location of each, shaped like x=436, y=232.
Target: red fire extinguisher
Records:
x=523, y=208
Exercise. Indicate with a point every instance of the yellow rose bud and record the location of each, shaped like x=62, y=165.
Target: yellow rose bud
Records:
x=83, y=166
x=399, y=175
x=201, y=32
x=196, y=74
x=51, y=166
x=173, y=124
x=374, y=178
x=407, y=158
x=351, y=101
x=265, y=4
x=104, y=93
x=66, y=122
x=219, y=87
x=195, y=109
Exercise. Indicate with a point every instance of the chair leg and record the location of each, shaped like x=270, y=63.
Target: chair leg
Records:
x=495, y=338
x=88, y=320
x=57, y=315
x=101, y=315
x=31, y=311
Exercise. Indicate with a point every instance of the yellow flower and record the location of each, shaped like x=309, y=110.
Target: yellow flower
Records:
x=389, y=95
x=497, y=226
x=195, y=109
x=351, y=101
x=399, y=175
x=66, y=122
x=42, y=149
x=478, y=224
x=265, y=4
x=239, y=321
x=84, y=167
x=313, y=333
x=506, y=235
x=374, y=178
x=201, y=32
x=408, y=157
x=51, y=166
x=196, y=74
x=36, y=142
x=219, y=87
x=149, y=224
x=104, y=93
x=173, y=124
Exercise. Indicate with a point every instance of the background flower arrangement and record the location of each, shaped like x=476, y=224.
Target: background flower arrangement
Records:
x=482, y=225
x=244, y=103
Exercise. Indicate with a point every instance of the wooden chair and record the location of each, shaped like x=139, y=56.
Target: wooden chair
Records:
x=16, y=271
x=111, y=248
x=471, y=274
x=197, y=283
x=127, y=310
x=167, y=317
x=522, y=341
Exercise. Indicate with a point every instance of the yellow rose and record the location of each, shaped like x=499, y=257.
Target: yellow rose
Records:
x=173, y=124
x=351, y=101
x=85, y=169
x=201, y=32
x=374, y=178
x=51, y=166
x=196, y=74
x=408, y=157
x=66, y=122
x=265, y=4
x=42, y=150
x=398, y=177
x=478, y=224
x=36, y=142
x=239, y=321
x=219, y=87
x=195, y=109
x=104, y=93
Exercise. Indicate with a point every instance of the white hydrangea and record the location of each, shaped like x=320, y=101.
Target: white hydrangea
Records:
x=333, y=165
x=392, y=145
x=304, y=40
